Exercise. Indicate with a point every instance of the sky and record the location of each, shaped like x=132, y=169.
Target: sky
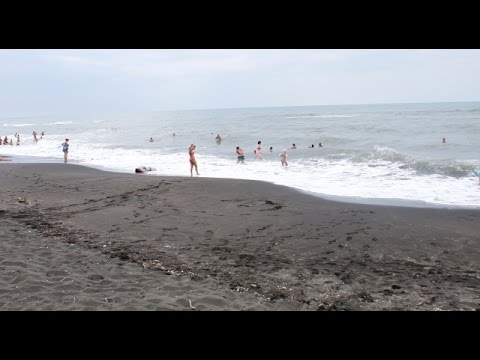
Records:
x=40, y=82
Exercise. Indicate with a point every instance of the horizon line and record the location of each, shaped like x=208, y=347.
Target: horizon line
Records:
x=235, y=108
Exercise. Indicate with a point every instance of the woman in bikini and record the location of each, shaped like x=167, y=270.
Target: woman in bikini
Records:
x=193, y=162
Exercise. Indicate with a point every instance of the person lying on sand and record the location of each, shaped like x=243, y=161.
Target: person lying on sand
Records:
x=144, y=169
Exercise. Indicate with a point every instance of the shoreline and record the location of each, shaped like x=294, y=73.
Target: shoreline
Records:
x=395, y=202
x=78, y=238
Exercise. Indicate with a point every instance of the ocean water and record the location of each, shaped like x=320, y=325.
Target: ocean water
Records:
x=390, y=153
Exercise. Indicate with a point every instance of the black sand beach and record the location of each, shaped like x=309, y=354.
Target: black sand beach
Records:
x=75, y=238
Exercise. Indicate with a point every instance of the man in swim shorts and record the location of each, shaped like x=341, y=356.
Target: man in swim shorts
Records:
x=240, y=154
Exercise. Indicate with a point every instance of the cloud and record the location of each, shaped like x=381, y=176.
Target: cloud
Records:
x=156, y=79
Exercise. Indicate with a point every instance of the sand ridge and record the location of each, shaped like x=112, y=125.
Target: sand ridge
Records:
x=133, y=242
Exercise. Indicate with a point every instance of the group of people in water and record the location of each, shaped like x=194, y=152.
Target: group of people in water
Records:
x=7, y=141
x=258, y=154
x=241, y=153
x=35, y=136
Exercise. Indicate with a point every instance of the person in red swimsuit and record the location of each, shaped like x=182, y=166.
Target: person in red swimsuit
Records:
x=193, y=161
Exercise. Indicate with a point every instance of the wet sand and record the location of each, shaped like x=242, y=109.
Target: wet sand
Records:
x=76, y=238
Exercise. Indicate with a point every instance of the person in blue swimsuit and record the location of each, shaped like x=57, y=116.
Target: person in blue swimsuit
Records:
x=65, y=147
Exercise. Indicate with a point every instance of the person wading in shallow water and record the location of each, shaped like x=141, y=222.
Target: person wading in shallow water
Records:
x=240, y=155
x=283, y=157
x=65, y=147
x=193, y=161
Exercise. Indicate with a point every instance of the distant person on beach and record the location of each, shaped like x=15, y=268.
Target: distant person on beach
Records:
x=283, y=157
x=218, y=139
x=240, y=154
x=65, y=147
x=259, y=151
x=151, y=139
x=444, y=141
x=294, y=147
x=193, y=161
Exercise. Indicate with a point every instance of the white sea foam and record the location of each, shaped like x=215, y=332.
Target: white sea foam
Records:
x=321, y=116
x=17, y=125
x=374, y=179
x=59, y=123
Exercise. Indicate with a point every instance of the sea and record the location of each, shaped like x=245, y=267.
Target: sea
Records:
x=389, y=154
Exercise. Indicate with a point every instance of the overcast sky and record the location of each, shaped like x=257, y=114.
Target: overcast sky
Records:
x=76, y=82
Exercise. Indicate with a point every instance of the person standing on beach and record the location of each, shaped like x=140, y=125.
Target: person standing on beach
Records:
x=283, y=157
x=240, y=154
x=65, y=147
x=193, y=161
